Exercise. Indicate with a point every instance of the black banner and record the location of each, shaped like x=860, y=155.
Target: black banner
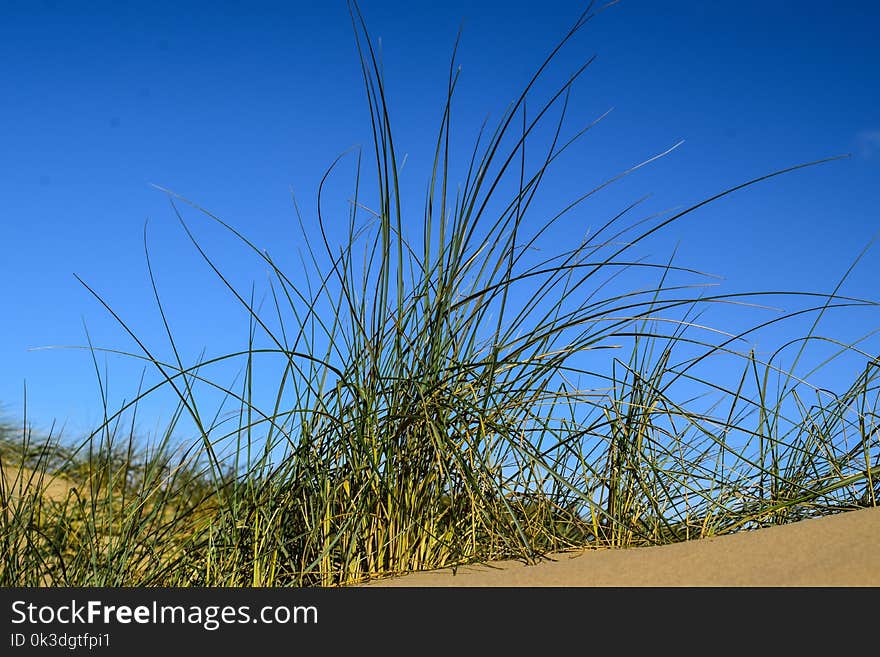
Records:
x=119, y=621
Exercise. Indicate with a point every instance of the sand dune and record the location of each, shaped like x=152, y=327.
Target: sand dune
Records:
x=22, y=482
x=840, y=550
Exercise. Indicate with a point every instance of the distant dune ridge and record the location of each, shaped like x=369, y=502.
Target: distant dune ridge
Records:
x=839, y=550
x=18, y=482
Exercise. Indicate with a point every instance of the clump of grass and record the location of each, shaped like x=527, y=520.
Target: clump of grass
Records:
x=451, y=397
x=108, y=511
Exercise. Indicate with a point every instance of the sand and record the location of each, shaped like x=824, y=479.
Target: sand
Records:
x=18, y=482
x=839, y=550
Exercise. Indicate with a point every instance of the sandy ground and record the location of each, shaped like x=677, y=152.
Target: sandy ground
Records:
x=840, y=550
x=17, y=482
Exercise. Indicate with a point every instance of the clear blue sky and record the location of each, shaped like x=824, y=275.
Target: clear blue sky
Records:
x=232, y=104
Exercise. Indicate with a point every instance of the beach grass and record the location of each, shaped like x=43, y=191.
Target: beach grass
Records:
x=442, y=392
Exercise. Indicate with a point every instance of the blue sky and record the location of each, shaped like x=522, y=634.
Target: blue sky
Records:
x=234, y=104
